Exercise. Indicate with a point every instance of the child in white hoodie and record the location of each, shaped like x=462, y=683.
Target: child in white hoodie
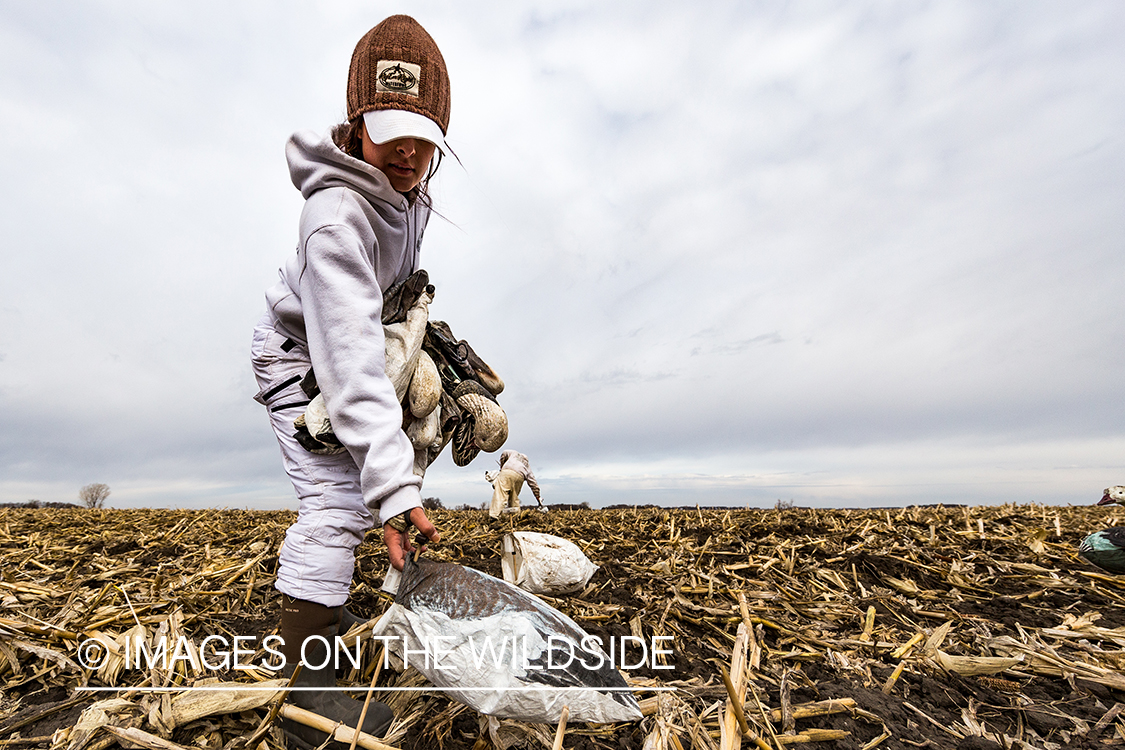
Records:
x=360, y=231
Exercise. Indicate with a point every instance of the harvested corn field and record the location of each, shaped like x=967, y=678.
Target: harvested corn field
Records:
x=903, y=628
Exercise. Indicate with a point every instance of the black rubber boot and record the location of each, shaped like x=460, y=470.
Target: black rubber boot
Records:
x=299, y=621
x=348, y=620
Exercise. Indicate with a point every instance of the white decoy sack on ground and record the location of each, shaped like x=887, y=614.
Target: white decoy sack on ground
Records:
x=544, y=563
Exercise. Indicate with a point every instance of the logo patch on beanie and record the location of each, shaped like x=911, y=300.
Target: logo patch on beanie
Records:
x=397, y=77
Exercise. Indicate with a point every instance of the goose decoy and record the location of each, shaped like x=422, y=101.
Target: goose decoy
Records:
x=1113, y=495
x=1106, y=549
x=503, y=651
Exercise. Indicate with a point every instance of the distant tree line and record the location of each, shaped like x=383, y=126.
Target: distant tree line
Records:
x=92, y=496
x=32, y=504
x=434, y=503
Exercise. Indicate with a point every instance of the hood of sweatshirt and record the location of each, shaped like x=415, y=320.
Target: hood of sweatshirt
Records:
x=315, y=163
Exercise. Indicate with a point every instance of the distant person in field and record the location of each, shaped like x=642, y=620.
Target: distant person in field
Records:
x=366, y=206
x=515, y=469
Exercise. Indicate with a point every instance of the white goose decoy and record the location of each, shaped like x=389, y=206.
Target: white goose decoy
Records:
x=546, y=660
x=1111, y=495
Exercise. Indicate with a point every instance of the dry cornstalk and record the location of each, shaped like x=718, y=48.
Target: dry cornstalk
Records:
x=785, y=704
x=972, y=666
x=889, y=685
x=812, y=735
x=142, y=738
x=905, y=649
x=19, y=741
x=730, y=727
x=875, y=742
x=338, y=732
x=819, y=708
x=868, y=624
x=222, y=698
x=560, y=733
x=735, y=702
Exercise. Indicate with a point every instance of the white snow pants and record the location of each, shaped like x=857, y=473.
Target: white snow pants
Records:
x=318, y=557
x=505, y=492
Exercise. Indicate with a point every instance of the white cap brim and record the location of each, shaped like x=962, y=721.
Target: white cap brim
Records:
x=385, y=125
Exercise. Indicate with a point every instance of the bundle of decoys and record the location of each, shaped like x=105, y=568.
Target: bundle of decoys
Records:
x=448, y=393
x=1106, y=548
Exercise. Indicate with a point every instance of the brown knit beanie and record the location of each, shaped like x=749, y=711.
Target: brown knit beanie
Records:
x=397, y=65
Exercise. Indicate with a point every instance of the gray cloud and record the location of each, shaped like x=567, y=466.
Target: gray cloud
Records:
x=727, y=254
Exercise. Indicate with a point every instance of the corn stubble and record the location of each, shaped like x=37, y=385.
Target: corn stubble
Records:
x=924, y=626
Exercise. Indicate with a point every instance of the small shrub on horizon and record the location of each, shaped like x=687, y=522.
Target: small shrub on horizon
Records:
x=94, y=495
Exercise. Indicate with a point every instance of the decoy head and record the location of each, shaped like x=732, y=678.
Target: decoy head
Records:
x=1113, y=495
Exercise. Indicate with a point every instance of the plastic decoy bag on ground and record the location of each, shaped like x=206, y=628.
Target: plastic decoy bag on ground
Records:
x=499, y=649
x=544, y=564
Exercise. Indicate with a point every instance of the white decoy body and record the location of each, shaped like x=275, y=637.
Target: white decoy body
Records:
x=464, y=610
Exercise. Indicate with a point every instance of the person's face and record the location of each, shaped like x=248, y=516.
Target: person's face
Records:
x=404, y=161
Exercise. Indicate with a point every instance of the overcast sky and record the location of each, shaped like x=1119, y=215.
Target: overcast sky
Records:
x=841, y=254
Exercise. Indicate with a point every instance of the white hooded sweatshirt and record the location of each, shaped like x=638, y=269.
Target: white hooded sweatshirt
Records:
x=358, y=237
